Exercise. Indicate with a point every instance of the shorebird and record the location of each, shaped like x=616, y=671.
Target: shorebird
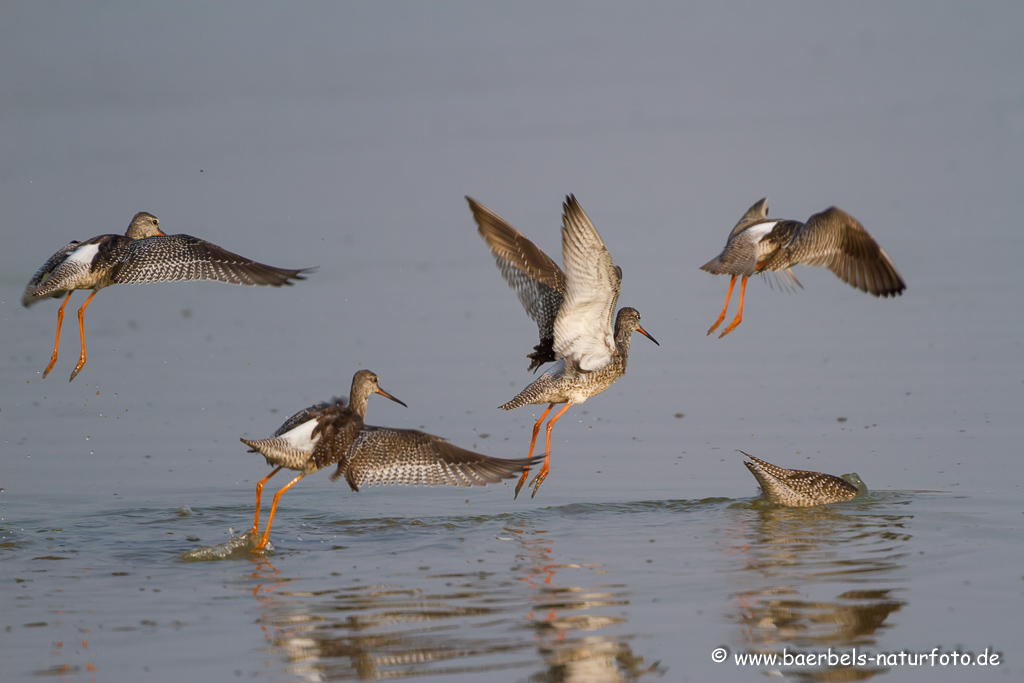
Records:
x=142, y=254
x=333, y=432
x=798, y=488
x=573, y=311
x=831, y=238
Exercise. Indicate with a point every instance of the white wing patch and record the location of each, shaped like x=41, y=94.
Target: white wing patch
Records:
x=582, y=336
x=84, y=255
x=756, y=233
x=301, y=437
x=583, y=328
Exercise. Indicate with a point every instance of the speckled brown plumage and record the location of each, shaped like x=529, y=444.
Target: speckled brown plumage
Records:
x=382, y=456
x=831, y=238
x=334, y=432
x=535, y=277
x=573, y=311
x=563, y=384
x=142, y=254
x=798, y=488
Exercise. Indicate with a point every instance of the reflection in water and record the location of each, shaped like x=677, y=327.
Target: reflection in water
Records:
x=562, y=620
x=386, y=630
x=819, y=578
x=415, y=624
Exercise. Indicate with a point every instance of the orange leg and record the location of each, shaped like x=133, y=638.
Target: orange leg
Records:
x=56, y=344
x=273, y=509
x=536, y=430
x=739, y=314
x=81, y=330
x=259, y=494
x=543, y=474
x=732, y=283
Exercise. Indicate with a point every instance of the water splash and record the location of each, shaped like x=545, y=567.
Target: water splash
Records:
x=235, y=548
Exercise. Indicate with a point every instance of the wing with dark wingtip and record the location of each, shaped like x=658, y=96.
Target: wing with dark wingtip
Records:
x=836, y=239
x=536, y=278
x=382, y=456
x=168, y=258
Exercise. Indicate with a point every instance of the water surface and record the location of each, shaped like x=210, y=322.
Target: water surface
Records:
x=346, y=137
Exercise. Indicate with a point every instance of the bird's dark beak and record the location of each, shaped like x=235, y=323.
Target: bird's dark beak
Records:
x=387, y=395
x=644, y=332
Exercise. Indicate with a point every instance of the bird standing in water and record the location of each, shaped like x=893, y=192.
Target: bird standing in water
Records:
x=831, y=238
x=142, y=254
x=573, y=311
x=334, y=432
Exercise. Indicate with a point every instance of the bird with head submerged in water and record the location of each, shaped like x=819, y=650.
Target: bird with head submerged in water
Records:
x=801, y=488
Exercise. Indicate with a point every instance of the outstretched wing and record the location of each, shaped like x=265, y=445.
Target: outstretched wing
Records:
x=382, y=456
x=836, y=239
x=583, y=328
x=168, y=258
x=537, y=280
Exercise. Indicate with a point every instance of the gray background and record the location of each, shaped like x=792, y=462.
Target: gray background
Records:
x=345, y=136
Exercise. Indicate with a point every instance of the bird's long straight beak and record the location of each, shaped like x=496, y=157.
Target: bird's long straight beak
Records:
x=644, y=332
x=387, y=395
